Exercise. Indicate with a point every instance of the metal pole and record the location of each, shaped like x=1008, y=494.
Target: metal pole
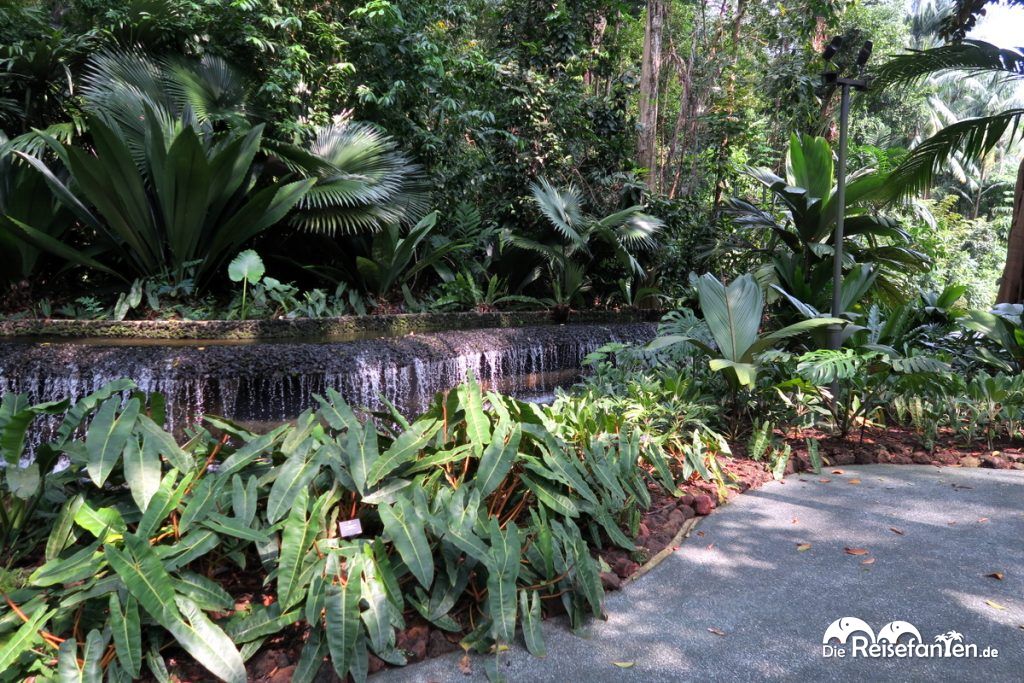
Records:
x=837, y=269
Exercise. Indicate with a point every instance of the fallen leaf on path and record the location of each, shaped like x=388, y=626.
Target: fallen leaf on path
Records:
x=465, y=665
x=870, y=560
x=701, y=534
x=824, y=480
x=950, y=523
x=856, y=551
x=983, y=519
x=853, y=481
x=838, y=472
x=996, y=575
x=716, y=631
x=624, y=665
x=796, y=521
x=710, y=546
x=803, y=546
x=898, y=532
x=994, y=605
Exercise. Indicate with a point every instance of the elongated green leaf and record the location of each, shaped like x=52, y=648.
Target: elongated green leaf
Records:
x=362, y=453
x=312, y=657
x=529, y=609
x=207, y=643
x=261, y=622
x=82, y=564
x=100, y=523
x=405, y=448
x=406, y=530
x=127, y=632
x=244, y=498
x=107, y=437
x=160, y=443
x=142, y=471
x=343, y=623
x=293, y=476
x=733, y=312
x=200, y=501
x=252, y=450
x=24, y=638
x=336, y=412
x=234, y=528
x=63, y=526
x=296, y=543
x=206, y=594
x=478, y=426
x=377, y=615
x=496, y=460
x=550, y=497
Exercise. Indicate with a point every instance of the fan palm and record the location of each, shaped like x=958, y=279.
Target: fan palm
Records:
x=971, y=138
x=575, y=233
x=364, y=183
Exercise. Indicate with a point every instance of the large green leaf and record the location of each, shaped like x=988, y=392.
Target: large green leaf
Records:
x=24, y=638
x=343, y=622
x=142, y=470
x=733, y=312
x=107, y=436
x=207, y=642
x=406, y=530
x=292, y=476
x=497, y=459
x=296, y=542
x=127, y=631
x=404, y=449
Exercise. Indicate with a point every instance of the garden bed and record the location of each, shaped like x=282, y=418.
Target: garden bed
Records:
x=670, y=520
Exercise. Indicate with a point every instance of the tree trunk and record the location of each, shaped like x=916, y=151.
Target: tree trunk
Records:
x=1011, y=285
x=650, y=75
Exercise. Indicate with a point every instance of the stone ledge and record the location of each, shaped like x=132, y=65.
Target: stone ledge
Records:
x=348, y=327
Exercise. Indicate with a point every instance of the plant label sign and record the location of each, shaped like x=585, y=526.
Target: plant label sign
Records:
x=349, y=527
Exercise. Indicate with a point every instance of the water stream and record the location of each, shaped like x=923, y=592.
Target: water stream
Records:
x=261, y=383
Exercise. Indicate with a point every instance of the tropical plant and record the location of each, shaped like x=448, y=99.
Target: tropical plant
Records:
x=971, y=139
x=627, y=232
x=364, y=183
x=1001, y=325
x=474, y=516
x=25, y=198
x=800, y=245
x=733, y=316
x=248, y=269
x=188, y=199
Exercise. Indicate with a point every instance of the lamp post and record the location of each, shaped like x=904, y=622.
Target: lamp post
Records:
x=846, y=84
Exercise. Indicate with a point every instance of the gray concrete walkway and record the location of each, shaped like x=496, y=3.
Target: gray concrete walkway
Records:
x=746, y=578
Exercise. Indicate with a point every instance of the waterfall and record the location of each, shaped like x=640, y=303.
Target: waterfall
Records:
x=265, y=382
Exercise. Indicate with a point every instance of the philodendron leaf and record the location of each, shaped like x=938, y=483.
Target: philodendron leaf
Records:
x=126, y=628
x=142, y=471
x=478, y=426
x=406, y=530
x=24, y=638
x=246, y=266
x=205, y=641
x=107, y=437
x=343, y=623
x=496, y=460
x=296, y=541
x=529, y=609
x=502, y=572
x=293, y=476
x=403, y=449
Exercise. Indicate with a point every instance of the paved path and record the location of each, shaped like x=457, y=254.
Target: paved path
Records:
x=745, y=576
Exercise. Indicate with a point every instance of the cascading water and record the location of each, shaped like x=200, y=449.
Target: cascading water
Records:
x=271, y=382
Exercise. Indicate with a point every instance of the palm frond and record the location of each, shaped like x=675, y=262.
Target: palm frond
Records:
x=971, y=138
x=562, y=208
x=970, y=56
x=363, y=181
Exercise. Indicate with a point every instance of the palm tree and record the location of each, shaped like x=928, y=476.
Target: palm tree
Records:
x=968, y=139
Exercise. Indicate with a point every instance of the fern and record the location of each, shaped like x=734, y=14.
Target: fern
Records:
x=759, y=440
